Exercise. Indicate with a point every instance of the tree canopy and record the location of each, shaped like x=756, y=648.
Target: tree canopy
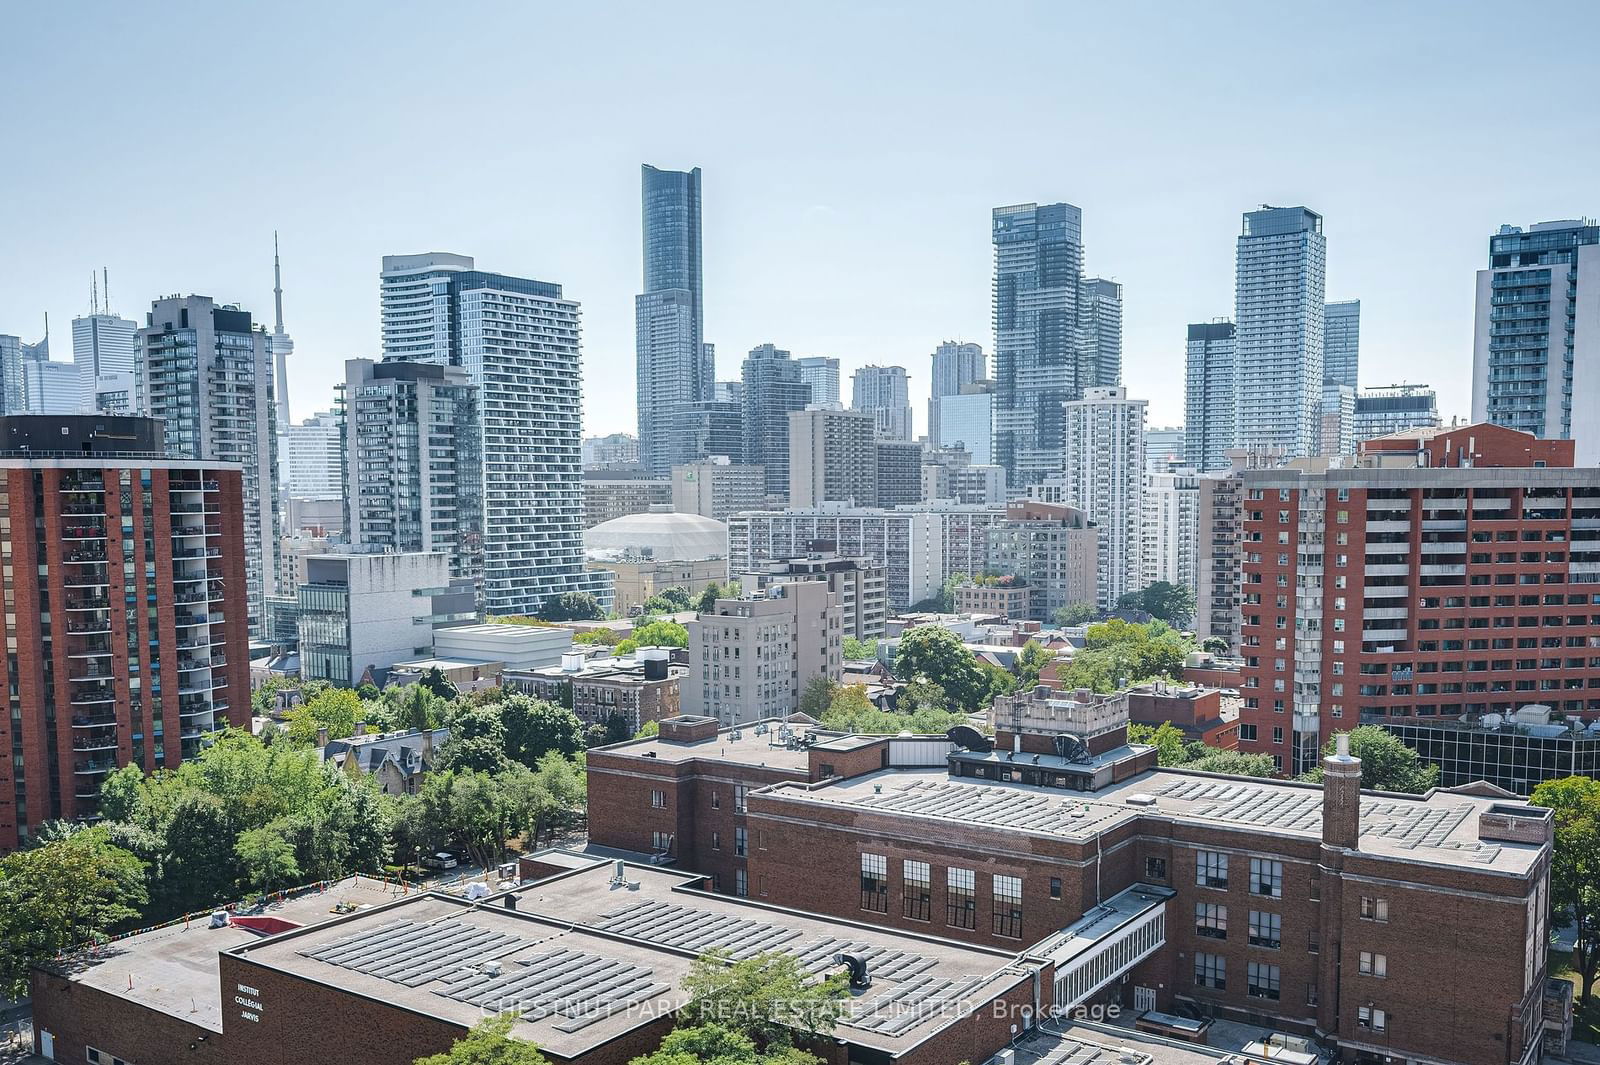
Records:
x=1172, y=750
x=937, y=655
x=1118, y=653
x=1575, y=868
x=660, y=633
x=770, y=998
x=488, y=1043
x=1386, y=763
x=858, y=650
x=571, y=606
x=1075, y=614
x=1172, y=603
x=59, y=895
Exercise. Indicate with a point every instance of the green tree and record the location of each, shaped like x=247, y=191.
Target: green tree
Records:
x=852, y=711
x=935, y=654
x=818, y=695
x=1166, y=738
x=268, y=859
x=1075, y=614
x=860, y=650
x=714, y=1044
x=57, y=896
x=1575, y=868
x=1172, y=603
x=648, y=730
x=1031, y=660
x=1386, y=763
x=571, y=606
x=609, y=637
x=673, y=600
x=435, y=681
x=337, y=710
x=1215, y=645
x=477, y=739
x=489, y=1043
x=1234, y=763
x=769, y=998
x=534, y=727
x=661, y=633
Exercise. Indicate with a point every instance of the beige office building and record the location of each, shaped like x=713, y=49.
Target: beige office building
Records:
x=750, y=658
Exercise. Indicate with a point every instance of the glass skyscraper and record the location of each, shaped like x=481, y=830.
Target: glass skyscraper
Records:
x=1341, y=343
x=955, y=364
x=675, y=364
x=773, y=386
x=1278, y=320
x=1055, y=333
x=1536, y=342
x=1211, y=395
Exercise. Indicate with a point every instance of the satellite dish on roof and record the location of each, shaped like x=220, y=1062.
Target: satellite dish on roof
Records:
x=970, y=738
x=1070, y=748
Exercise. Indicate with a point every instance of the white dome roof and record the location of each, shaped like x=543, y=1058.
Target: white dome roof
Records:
x=663, y=537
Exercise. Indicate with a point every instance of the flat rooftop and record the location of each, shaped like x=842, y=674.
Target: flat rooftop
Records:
x=174, y=970
x=751, y=748
x=1077, y=1044
x=1440, y=828
x=587, y=960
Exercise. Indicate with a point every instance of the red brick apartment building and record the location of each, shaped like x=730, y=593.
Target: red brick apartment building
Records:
x=125, y=612
x=1311, y=909
x=1453, y=572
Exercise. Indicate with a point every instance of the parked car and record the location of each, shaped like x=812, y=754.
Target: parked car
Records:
x=440, y=860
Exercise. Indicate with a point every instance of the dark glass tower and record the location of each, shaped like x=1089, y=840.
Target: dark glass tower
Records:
x=675, y=366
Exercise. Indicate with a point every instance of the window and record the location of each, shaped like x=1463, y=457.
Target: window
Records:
x=875, y=882
x=1155, y=868
x=662, y=841
x=1055, y=887
x=1261, y=981
x=1311, y=994
x=1371, y=1019
x=741, y=883
x=1373, y=909
x=1247, y=733
x=917, y=888
x=739, y=792
x=1266, y=929
x=1210, y=920
x=658, y=800
x=960, y=904
x=1211, y=869
x=1374, y=964
x=1266, y=877
x=1008, y=906
x=741, y=842
x=716, y=841
x=1211, y=970
x=100, y=1057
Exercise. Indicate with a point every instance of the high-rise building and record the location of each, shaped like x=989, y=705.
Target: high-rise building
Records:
x=412, y=461
x=1054, y=548
x=618, y=449
x=1100, y=317
x=1171, y=531
x=717, y=488
x=280, y=344
x=360, y=613
x=1336, y=430
x=13, y=377
x=52, y=387
x=1165, y=449
x=1381, y=411
x=103, y=351
x=966, y=421
x=128, y=636
x=675, y=364
x=1041, y=360
x=1536, y=340
x=1211, y=395
x=955, y=365
x=1278, y=318
x=204, y=370
x=832, y=458
x=704, y=430
x=1341, y=343
x=899, y=464
x=1218, y=544
x=949, y=473
x=882, y=392
x=772, y=388
x=728, y=392
x=918, y=546
x=619, y=492
x=858, y=586
x=821, y=373
x=313, y=457
x=750, y=658
x=1103, y=474
x=518, y=341
x=1377, y=591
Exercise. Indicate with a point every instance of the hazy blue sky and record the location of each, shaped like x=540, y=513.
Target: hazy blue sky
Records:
x=852, y=153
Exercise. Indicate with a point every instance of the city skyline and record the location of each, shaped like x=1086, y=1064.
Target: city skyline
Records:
x=803, y=203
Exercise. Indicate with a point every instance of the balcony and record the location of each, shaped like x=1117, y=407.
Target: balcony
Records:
x=89, y=602
x=88, y=721
x=99, y=765
x=83, y=532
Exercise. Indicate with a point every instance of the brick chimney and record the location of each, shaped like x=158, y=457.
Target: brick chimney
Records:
x=1341, y=796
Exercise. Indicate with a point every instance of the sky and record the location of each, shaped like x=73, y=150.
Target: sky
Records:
x=852, y=153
